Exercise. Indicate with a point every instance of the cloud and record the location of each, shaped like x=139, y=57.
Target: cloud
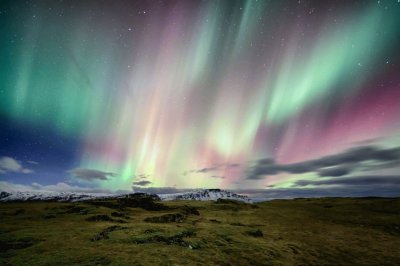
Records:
x=335, y=171
x=207, y=169
x=353, y=181
x=376, y=190
x=214, y=168
x=141, y=176
x=339, y=162
x=90, y=174
x=142, y=183
x=141, y=180
x=27, y=171
x=217, y=176
x=160, y=190
x=32, y=162
x=59, y=187
x=10, y=165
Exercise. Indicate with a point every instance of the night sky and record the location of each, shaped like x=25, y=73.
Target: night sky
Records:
x=270, y=96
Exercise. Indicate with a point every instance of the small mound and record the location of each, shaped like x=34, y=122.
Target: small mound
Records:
x=176, y=239
x=20, y=243
x=255, y=233
x=99, y=218
x=167, y=218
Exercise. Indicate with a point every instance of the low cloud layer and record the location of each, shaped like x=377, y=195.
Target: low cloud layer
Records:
x=160, y=190
x=90, y=174
x=58, y=187
x=141, y=183
x=377, y=190
x=352, y=181
x=333, y=165
x=10, y=165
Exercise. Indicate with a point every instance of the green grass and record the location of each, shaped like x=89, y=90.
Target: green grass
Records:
x=328, y=231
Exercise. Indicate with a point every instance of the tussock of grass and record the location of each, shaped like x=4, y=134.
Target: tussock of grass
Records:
x=104, y=234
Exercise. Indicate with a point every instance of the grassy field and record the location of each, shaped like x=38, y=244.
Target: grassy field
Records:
x=327, y=231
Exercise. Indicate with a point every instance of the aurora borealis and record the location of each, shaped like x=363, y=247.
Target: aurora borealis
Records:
x=193, y=94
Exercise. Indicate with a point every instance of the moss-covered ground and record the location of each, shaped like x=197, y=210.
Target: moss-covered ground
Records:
x=326, y=231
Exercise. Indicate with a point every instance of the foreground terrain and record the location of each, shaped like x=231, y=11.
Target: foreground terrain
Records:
x=327, y=231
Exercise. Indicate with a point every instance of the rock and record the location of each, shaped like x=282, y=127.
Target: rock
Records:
x=4, y=195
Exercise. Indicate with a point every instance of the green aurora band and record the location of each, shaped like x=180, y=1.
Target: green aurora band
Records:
x=190, y=85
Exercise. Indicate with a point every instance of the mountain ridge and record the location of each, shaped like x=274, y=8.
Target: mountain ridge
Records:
x=199, y=195
x=206, y=194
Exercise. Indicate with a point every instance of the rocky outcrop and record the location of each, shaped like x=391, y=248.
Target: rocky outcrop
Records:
x=174, y=217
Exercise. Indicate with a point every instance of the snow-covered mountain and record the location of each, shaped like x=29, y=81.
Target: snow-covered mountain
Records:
x=50, y=196
x=206, y=194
